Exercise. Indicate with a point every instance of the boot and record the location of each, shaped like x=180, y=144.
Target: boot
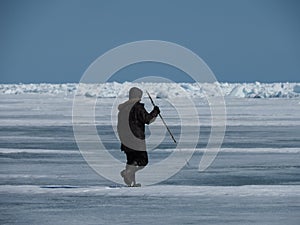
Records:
x=129, y=175
x=125, y=178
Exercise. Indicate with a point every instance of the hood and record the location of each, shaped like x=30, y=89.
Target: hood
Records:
x=135, y=93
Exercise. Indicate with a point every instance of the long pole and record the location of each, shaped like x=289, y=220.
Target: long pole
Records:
x=162, y=118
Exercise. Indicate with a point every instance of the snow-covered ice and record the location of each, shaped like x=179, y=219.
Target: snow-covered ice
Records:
x=255, y=178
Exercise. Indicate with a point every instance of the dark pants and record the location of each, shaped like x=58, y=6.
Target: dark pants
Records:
x=136, y=158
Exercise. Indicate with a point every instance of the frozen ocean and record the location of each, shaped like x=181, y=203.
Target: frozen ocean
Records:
x=255, y=178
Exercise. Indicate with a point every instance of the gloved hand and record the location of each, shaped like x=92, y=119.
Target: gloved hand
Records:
x=156, y=108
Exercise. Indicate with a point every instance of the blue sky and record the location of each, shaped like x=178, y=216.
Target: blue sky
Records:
x=241, y=40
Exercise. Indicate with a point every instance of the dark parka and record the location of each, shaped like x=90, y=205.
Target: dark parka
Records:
x=132, y=118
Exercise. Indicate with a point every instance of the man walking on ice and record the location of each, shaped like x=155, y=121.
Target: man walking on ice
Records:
x=132, y=118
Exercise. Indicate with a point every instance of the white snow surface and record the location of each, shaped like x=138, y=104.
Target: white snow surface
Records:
x=158, y=190
x=160, y=90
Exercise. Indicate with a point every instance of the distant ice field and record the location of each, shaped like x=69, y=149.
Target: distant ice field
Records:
x=160, y=90
x=255, y=178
